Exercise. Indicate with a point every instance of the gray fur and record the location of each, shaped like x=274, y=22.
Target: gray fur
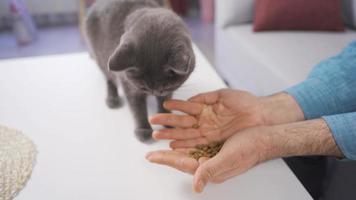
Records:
x=142, y=46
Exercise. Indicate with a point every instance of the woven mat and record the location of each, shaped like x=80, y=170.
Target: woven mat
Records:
x=17, y=158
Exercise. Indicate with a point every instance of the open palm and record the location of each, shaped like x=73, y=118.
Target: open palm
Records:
x=210, y=117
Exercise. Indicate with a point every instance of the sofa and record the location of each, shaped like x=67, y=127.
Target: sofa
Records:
x=267, y=62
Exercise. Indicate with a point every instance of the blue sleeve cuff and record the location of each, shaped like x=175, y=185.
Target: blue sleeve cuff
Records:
x=331, y=86
x=343, y=128
x=315, y=98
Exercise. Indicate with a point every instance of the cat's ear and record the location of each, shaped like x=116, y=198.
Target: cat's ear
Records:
x=183, y=68
x=122, y=58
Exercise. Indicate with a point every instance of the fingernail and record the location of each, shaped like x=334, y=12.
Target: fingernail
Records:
x=154, y=135
x=148, y=155
x=150, y=119
x=172, y=145
x=200, y=186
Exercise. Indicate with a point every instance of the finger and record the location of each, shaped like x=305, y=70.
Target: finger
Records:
x=190, y=143
x=191, y=108
x=173, y=159
x=176, y=134
x=207, y=172
x=183, y=121
x=185, y=150
x=203, y=160
x=188, y=150
x=206, y=98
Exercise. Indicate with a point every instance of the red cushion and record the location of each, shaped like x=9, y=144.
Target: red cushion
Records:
x=298, y=15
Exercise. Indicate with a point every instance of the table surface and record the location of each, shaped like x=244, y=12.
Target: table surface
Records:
x=89, y=152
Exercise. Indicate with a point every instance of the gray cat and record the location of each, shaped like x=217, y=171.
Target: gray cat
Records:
x=143, y=47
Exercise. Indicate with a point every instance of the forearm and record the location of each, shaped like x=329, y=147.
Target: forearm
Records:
x=330, y=88
x=302, y=139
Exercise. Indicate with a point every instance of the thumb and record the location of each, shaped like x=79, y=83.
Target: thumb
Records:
x=207, y=171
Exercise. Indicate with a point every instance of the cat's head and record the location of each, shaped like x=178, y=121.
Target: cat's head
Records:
x=155, y=64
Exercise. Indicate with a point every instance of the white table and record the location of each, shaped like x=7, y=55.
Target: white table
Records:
x=89, y=152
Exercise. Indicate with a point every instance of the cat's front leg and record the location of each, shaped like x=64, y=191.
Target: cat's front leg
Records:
x=113, y=100
x=160, y=101
x=137, y=102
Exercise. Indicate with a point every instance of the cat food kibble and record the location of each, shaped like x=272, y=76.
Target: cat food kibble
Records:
x=195, y=126
x=207, y=150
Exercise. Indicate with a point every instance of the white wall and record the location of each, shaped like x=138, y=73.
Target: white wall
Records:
x=52, y=6
x=4, y=7
x=44, y=6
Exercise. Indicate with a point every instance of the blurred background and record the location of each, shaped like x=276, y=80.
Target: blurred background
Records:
x=263, y=63
x=36, y=27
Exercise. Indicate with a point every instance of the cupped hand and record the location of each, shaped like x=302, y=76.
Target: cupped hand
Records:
x=212, y=116
x=239, y=153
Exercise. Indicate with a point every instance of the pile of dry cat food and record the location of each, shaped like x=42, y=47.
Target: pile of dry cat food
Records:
x=207, y=150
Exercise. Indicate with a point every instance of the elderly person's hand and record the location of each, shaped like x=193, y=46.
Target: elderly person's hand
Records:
x=249, y=147
x=217, y=115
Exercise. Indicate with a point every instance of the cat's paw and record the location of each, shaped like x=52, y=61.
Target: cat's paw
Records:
x=144, y=134
x=114, y=102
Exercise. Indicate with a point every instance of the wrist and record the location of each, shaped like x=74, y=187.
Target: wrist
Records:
x=280, y=108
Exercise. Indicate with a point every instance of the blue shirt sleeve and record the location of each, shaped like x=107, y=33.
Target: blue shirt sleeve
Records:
x=329, y=90
x=343, y=128
x=331, y=86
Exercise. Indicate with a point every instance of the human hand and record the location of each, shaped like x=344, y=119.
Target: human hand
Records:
x=239, y=153
x=250, y=147
x=217, y=115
